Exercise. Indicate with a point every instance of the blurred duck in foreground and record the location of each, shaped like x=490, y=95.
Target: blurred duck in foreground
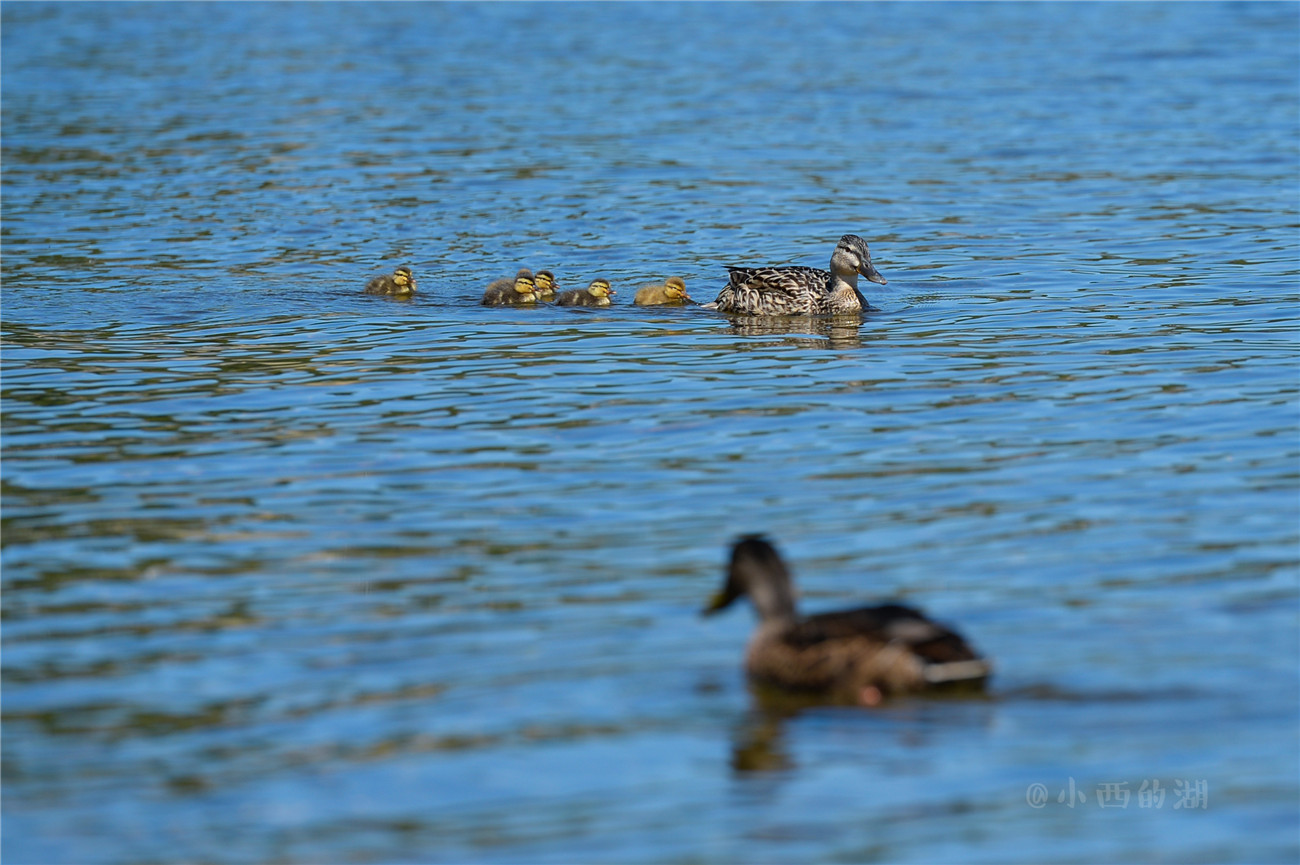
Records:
x=802, y=290
x=546, y=285
x=596, y=294
x=856, y=656
x=401, y=282
x=671, y=290
x=512, y=292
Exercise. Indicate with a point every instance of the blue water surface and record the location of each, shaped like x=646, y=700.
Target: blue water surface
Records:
x=295, y=574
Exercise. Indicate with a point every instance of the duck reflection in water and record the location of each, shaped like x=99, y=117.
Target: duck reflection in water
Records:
x=840, y=331
x=766, y=738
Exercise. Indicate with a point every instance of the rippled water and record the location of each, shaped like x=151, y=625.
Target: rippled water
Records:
x=295, y=574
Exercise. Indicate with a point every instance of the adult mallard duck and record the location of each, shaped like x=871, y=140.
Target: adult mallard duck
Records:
x=858, y=656
x=512, y=292
x=596, y=294
x=401, y=282
x=802, y=290
x=546, y=285
x=671, y=290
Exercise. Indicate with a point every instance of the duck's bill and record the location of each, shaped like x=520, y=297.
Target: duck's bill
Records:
x=869, y=271
x=716, y=603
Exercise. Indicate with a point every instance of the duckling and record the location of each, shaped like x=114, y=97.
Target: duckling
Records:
x=401, y=283
x=546, y=285
x=802, y=290
x=671, y=290
x=512, y=292
x=859, y=656
x=596, y=294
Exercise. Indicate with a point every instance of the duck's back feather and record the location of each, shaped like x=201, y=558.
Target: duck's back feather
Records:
x=499, y=292
x=774, y=291
x=580, y=297
x=887, y=623
x=893, y=647
x=383, y=285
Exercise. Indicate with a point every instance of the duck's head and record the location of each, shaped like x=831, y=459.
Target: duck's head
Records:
x=524, y=282
x=756, y=570
x=545, y=283
x=404, y=280
x=600, y=288
x=675, y=288
x=852, y=256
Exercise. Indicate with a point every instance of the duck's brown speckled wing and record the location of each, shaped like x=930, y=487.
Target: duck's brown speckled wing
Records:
x=889, y=623
x=774, y=291
x=892, y=647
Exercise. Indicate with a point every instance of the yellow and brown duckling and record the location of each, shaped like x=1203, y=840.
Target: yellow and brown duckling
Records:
x=546, y=285
x=596, y=294
x=512, y=292
x=400, y=283
x=856, y=656
x=670, y=291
